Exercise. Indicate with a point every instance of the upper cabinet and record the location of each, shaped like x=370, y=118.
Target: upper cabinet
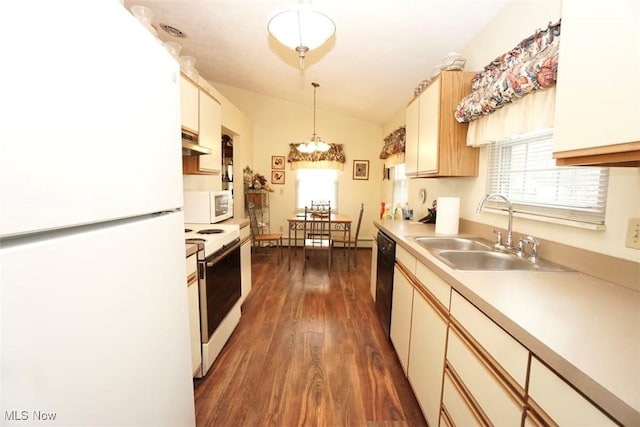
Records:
x=202, y=119
x=598, y=89
x=435, y=142
x=189, y=105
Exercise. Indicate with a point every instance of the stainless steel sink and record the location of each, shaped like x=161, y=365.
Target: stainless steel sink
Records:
x=487, y=260
x=452, y=243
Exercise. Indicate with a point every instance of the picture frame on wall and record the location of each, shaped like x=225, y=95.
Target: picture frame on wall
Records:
x=277, y=162
x=277, y=177
x=361, y=169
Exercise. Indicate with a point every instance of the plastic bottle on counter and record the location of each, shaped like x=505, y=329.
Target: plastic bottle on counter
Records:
x=397, y=213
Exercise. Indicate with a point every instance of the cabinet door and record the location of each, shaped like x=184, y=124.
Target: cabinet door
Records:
x=411, y=137
x=401, y=305
x=429, y=128
x=507, y=352
x=560, y=401
x=374, y=269
x=457, y=408
x=426, y=356
x=194, y=313
x=595, y=107
x=245, y=262
x=210, y=133
x=189, y=104
x=497, y=402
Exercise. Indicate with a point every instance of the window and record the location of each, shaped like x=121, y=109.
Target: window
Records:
x=523, y=169
x=316, y=184
x=400, y=185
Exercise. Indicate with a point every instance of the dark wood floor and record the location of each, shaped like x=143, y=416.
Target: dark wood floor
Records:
x=308, y=351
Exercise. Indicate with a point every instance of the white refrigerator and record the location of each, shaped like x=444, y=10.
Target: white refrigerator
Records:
x=94, y=327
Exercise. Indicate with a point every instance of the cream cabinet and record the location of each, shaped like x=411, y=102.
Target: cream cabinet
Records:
x=402, y=302
x=555, y=401
x=498, y=404
x=597, y=107
x=508, y=353
x=245, y=262
x=457, y=410
x=435, y=142
x=189, y=98
x=201, y=116
x=194, y=313
x=427, y=352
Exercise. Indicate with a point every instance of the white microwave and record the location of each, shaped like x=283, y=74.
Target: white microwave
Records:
x=207, y=207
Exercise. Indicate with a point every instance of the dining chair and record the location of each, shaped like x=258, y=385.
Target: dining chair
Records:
x=317, y=232
x=350, y=243
x=258, y=236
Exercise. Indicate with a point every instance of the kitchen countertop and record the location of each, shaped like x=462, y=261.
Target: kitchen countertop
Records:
x=586, y=329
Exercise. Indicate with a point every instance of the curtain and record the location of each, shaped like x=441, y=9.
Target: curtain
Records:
x=393, y=148
x=334, y=158
x=529, y=68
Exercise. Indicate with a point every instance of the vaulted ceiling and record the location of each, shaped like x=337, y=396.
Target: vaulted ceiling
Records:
x=381, y=51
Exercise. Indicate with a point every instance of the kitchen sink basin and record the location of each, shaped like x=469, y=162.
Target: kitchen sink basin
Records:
x=487, y=260
x=452, y=243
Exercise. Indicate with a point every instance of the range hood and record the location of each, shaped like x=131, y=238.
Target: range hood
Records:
x=190, y=146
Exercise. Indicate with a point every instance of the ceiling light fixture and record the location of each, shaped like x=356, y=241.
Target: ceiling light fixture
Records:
x=301, y=28
x=316, y=143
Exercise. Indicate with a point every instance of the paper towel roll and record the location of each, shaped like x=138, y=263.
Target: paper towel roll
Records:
x=448, y=215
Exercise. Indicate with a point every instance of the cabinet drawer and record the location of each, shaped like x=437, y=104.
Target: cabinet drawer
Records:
x=560, y=401
x=438, y=287
x=406, y=259
x=508, y=352
x=495, y=400
x=455, y=406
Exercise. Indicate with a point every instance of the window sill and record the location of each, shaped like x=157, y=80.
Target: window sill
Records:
x=549, y=220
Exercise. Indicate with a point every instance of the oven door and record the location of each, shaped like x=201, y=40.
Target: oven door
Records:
x=220, y=288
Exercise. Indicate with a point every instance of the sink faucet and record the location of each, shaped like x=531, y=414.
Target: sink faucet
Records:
x=509, y=243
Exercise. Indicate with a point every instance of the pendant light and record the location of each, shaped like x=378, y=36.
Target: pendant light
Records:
x=301, y=28
x=315, y=143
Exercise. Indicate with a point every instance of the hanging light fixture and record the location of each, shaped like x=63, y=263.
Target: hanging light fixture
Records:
x=301, y=28
x=315, y=143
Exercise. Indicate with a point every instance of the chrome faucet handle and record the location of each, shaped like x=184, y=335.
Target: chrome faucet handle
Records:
x=498, y=242
x=535, y=245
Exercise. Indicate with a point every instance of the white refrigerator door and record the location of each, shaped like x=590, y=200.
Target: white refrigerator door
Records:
x=90, y=117
x=95, y=328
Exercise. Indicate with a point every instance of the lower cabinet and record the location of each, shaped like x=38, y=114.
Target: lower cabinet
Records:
x=194, y=313
x=426, y=353
x=554, y=401
x=401, y=316
x=245, y=262
x=465, y=369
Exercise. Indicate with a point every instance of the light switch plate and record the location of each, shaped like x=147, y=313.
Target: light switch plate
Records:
x=633, y=233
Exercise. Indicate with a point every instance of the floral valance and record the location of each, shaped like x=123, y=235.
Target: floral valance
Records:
x=530, y=66
x=394, y=143
x=332, y=159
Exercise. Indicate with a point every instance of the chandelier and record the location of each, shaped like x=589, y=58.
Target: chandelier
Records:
x=315, y=143
x=301, y=28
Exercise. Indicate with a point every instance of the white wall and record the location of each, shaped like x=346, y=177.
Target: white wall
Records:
x=519, y=20
x=276, y=123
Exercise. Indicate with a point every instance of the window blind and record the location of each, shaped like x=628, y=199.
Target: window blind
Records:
x=524, y=170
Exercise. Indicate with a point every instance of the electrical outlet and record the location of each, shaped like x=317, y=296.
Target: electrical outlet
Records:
x=633, y=233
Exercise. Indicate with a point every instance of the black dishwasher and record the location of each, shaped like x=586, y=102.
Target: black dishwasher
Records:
x=384, y=280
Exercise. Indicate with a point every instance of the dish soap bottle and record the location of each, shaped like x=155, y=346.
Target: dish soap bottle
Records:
x=397, y=213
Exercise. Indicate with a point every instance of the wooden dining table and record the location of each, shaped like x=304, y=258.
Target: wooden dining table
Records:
x=339, y=223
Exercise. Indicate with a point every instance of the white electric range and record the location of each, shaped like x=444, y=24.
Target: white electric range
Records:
x=211, y=237
x=219, y=285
